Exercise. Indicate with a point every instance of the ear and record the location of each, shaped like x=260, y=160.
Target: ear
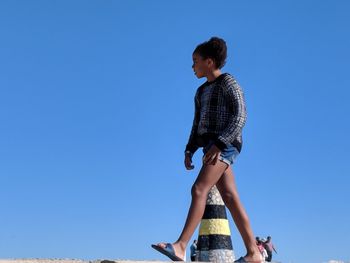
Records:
x=210, y=62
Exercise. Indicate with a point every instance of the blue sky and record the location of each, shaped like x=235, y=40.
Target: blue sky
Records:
x=96, y=105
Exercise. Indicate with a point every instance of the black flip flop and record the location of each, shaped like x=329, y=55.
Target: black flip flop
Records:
x=168, y=251
x=240, y=260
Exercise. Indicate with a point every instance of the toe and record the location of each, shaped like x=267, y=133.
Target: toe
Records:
x=162, y=245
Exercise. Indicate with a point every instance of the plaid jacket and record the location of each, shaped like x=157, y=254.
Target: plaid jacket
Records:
x=220, y=114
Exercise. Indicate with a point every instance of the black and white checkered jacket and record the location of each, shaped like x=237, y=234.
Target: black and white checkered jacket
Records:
x=220, y=114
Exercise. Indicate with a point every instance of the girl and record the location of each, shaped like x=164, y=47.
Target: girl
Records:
x=220, y=115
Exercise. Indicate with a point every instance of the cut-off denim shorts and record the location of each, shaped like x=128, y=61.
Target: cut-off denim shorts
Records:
x=227, y=156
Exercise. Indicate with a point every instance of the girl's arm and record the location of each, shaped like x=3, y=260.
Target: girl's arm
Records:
x=192, y=145
x=235, y=97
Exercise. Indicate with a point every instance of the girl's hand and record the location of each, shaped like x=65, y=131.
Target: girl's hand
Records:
x=212, y=156
x=188, y=162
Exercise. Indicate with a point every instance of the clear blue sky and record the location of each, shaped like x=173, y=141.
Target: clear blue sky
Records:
x=96, y=105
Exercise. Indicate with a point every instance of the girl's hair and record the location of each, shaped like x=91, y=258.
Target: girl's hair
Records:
x=215, y=49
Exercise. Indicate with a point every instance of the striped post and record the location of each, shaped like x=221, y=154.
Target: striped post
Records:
x=214, y=241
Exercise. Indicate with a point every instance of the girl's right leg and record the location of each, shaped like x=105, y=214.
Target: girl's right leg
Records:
x=207, y=178
x=228, y=190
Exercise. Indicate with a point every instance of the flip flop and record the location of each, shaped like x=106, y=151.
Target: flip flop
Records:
x=168, y=251
x=240, y=260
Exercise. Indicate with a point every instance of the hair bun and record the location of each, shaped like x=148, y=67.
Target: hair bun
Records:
x=215, y=48
x=217, y=42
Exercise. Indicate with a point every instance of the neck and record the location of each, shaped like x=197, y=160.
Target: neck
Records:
x=213, y=75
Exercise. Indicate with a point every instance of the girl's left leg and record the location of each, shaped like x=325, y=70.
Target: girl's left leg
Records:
x=207, y=178
x=228, y=190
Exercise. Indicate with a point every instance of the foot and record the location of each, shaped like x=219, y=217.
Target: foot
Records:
x=179, y=250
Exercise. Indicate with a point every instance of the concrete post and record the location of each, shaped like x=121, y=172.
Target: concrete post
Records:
x=214, y=241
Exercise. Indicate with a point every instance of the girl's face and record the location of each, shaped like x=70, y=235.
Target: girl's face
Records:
x=200, y=66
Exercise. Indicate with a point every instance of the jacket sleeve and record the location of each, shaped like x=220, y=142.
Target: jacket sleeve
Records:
x=234, y=94
x=192, y=145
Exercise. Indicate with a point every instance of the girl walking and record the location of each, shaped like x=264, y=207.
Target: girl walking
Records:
x=220, y=115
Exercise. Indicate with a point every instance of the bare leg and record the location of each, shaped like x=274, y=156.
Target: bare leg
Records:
x=207, y=178
x=227, y=188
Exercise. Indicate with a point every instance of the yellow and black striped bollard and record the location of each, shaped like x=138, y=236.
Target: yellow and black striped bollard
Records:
x=214, y=241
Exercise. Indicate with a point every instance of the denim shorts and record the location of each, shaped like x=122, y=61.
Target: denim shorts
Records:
x=227, y=156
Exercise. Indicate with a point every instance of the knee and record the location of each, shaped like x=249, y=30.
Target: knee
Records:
x=199, y=190
x=229, y=198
